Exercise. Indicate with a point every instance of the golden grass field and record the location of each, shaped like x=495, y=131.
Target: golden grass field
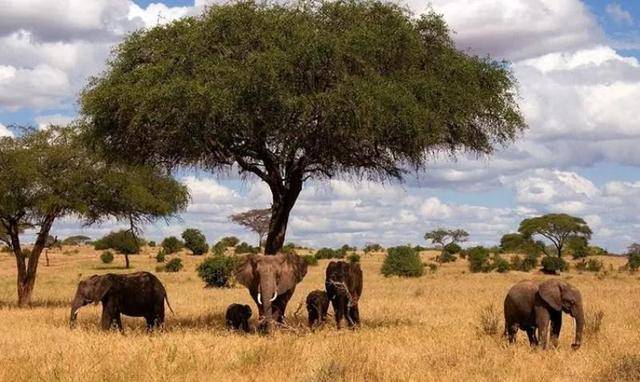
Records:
x=425, y=329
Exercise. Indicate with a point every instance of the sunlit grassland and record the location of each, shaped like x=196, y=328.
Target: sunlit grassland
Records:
x=413, y=330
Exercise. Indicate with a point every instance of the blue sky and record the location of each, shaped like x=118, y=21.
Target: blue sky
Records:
x=579, y=84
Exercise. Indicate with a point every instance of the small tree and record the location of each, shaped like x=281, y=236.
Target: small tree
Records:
x=255, y=220
x=403, y=261
x=633, y=255
x=171, y=245
x=76, y=240
x=228, y=241
x=47, y=175
x=195, y=241
x=123, y=241
x=443, y=237
x=578, y=246
x=557, y=228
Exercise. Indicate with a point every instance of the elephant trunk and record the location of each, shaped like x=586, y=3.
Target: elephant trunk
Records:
x=578, y=313
x=76, y=304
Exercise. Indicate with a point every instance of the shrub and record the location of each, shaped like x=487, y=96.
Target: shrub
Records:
x=218, y=249
x=160, y=257
x=76, y=240
x=452, y=248
x=5, y=249
x=478, y=259
x=174, y=265
x=499, y=264
x=553, y=264
x=171, y=245
x=346, y=249
x=122, y=241
x=402, y=261
x=310, y=260
x=432, y=267
x=246, y=248
x=634, y=262
x=217, y=271
x=490, y=319
x=590, y=265
x=228, y=241
x=106, y=257
x=372, y=247
x=195, y=241
x=289, y=248
x=328, y=253
x=152, y=244
x=353, y=258
x=525, y=264
x=446, y=257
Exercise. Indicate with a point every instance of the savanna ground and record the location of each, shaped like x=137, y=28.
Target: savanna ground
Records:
x=425, y=329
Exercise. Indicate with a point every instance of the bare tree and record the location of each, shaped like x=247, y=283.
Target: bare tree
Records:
x=255, y=220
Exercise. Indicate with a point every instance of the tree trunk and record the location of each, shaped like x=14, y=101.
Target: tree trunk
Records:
x=126, y=261
x=283, y=203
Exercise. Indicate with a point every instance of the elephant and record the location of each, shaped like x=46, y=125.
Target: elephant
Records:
x=138, y=294
x=317, y=306
x=531, y=305
x=271, y=280
x=344, y=287
x=237, y=317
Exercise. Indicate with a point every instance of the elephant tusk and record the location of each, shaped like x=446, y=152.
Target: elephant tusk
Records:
x=259, y=299
x=275, y=295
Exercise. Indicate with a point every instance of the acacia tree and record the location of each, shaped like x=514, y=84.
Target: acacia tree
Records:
x=557, y=228
x=444, y=237
x=46, y=175
x=256, y=220
x=311, y=89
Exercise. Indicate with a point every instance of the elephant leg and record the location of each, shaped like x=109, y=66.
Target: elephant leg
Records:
x=280, y=305
x=531, y=333
x=106, y=319
x=118, y=321
x=150, y=322
x=337, y=310
x=542, y=322
x=354, y=315
x=556, y=325
x=254, y=296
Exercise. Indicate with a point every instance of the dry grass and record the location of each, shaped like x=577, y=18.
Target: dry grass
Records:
x=413, y=330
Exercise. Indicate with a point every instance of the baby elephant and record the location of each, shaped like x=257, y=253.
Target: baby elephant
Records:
x=531, y=305
x=344, y=288
x=238, y=317
x=138, y=294
x=317, y=306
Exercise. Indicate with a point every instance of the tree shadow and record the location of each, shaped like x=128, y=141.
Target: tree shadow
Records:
x=58, y=303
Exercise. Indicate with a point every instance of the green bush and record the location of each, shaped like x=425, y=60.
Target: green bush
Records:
x=106, y=257
x=160, y=257
x=432, y=267
x=152, y=244
x=122, y=241
x=590, y=265
x=633, y=262
x=500, y=264
x=195, y=241
x=217, y=271
x=402, y=261
x=310, y=260
x=246, y=248
x=373, y=247
x=328, y=253
x=353, y=258
x=452, y=248
x=76, y=240
x=553, y=264
x=171, y=245
x=345, y=249
x=446, y=257
x=478, y=259
x=289, y=248
x=525, y=264
x=228, y=241
x=173, y=265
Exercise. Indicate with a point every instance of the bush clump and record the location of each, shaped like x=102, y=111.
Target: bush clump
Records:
x=553, y=265
x=289, y=248
x=590, y=265
x=328, y=253
x=403, y=261
x=372, y=247
x=122, y=241
x=171, y=245
x=152, y=244
x=633, y=262
x=106, y=257
x=452, y=248
x=195, y=241
x=446, y=257
x=228, y=241
x=160, y=257
x=525, y=264
x=478, y=259
x=311, y=260
x=173, y=265
x=353, y=258
x=217, y=271
x=246, y=248
x=500, y=264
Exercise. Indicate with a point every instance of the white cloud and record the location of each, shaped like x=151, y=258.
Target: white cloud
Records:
x=618, y=14
x=4, y=131
x=44, y=121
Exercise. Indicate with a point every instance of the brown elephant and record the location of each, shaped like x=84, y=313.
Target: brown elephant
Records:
x=237, y=317
x=531, y=305
x=317, y=307
x=138, y=294
x=343, y=283
x=271, y=281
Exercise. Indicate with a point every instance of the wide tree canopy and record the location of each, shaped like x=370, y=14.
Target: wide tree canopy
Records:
x=311, y=89
x=256, y=220
x=46, y=175
x=557, y=228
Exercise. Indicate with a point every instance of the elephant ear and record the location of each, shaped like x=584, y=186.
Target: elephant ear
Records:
x=550, y=291
x=299, y=268
x=292, y=272
x=245, y=271
x=101, y=287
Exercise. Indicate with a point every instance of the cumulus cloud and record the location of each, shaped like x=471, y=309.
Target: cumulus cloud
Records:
x=618, y=14
x=4, y=131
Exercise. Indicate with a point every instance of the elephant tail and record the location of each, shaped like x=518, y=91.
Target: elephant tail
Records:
x=166, y=297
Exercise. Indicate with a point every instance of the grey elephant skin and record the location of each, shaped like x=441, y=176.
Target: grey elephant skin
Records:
x=138, y=294
x=271, y=281
x=237, y=317
x=317, y=307
x=343, y=283
x=531, y=306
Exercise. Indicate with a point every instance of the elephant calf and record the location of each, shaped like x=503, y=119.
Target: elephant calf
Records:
x=531, y=305
x=344, y=287
x=317, y=306
x=138, y=294
x=237, y=317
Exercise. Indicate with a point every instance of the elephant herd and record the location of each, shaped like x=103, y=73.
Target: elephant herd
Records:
x=530, y=306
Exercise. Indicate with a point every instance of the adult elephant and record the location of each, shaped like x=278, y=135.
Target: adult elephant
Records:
x=531, y=305
x=271, y=281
